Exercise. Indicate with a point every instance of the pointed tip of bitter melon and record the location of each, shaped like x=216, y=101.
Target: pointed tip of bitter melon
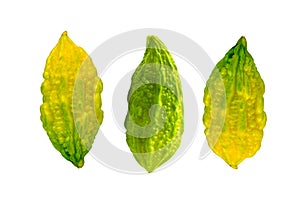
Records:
x=242, y=41
x=234, y=166
x=65, y=33
x=150, y=169
x=154, y=42
x=80, y=164
x=64, y=37
x=152, y=38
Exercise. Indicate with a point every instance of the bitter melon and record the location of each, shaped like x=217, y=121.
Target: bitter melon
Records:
x=71, y=110
x=234, y=114
x=154, y=121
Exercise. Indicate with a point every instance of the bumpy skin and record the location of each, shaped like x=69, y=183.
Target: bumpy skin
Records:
x=234, y=114
x=71, y=110
x=154, y=121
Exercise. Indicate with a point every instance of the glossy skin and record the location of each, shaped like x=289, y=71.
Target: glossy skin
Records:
x=154, y=121
x=234, y=114
x=71, y=110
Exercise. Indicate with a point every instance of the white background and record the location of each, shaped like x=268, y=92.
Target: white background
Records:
x=30, y=168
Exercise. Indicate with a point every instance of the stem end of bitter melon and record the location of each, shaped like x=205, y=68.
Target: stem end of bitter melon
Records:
x=65, y=33
x=151, y=38
x=242, y=41
x=154, y=42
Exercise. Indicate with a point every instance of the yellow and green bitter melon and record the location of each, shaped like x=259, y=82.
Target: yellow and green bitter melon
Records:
x=234, y=115
x=71, y=110
x=154, y=121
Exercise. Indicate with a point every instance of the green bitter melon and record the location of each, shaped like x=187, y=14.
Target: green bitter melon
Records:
x=154, y=121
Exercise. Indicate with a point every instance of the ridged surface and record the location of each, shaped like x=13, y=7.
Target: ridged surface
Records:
x=234, y=114
x=154, y=121
x=71, y=110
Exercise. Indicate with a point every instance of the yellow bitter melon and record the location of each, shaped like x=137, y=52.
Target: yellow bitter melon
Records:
x=234, y=114
x=71, y=110
x=154, y=121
